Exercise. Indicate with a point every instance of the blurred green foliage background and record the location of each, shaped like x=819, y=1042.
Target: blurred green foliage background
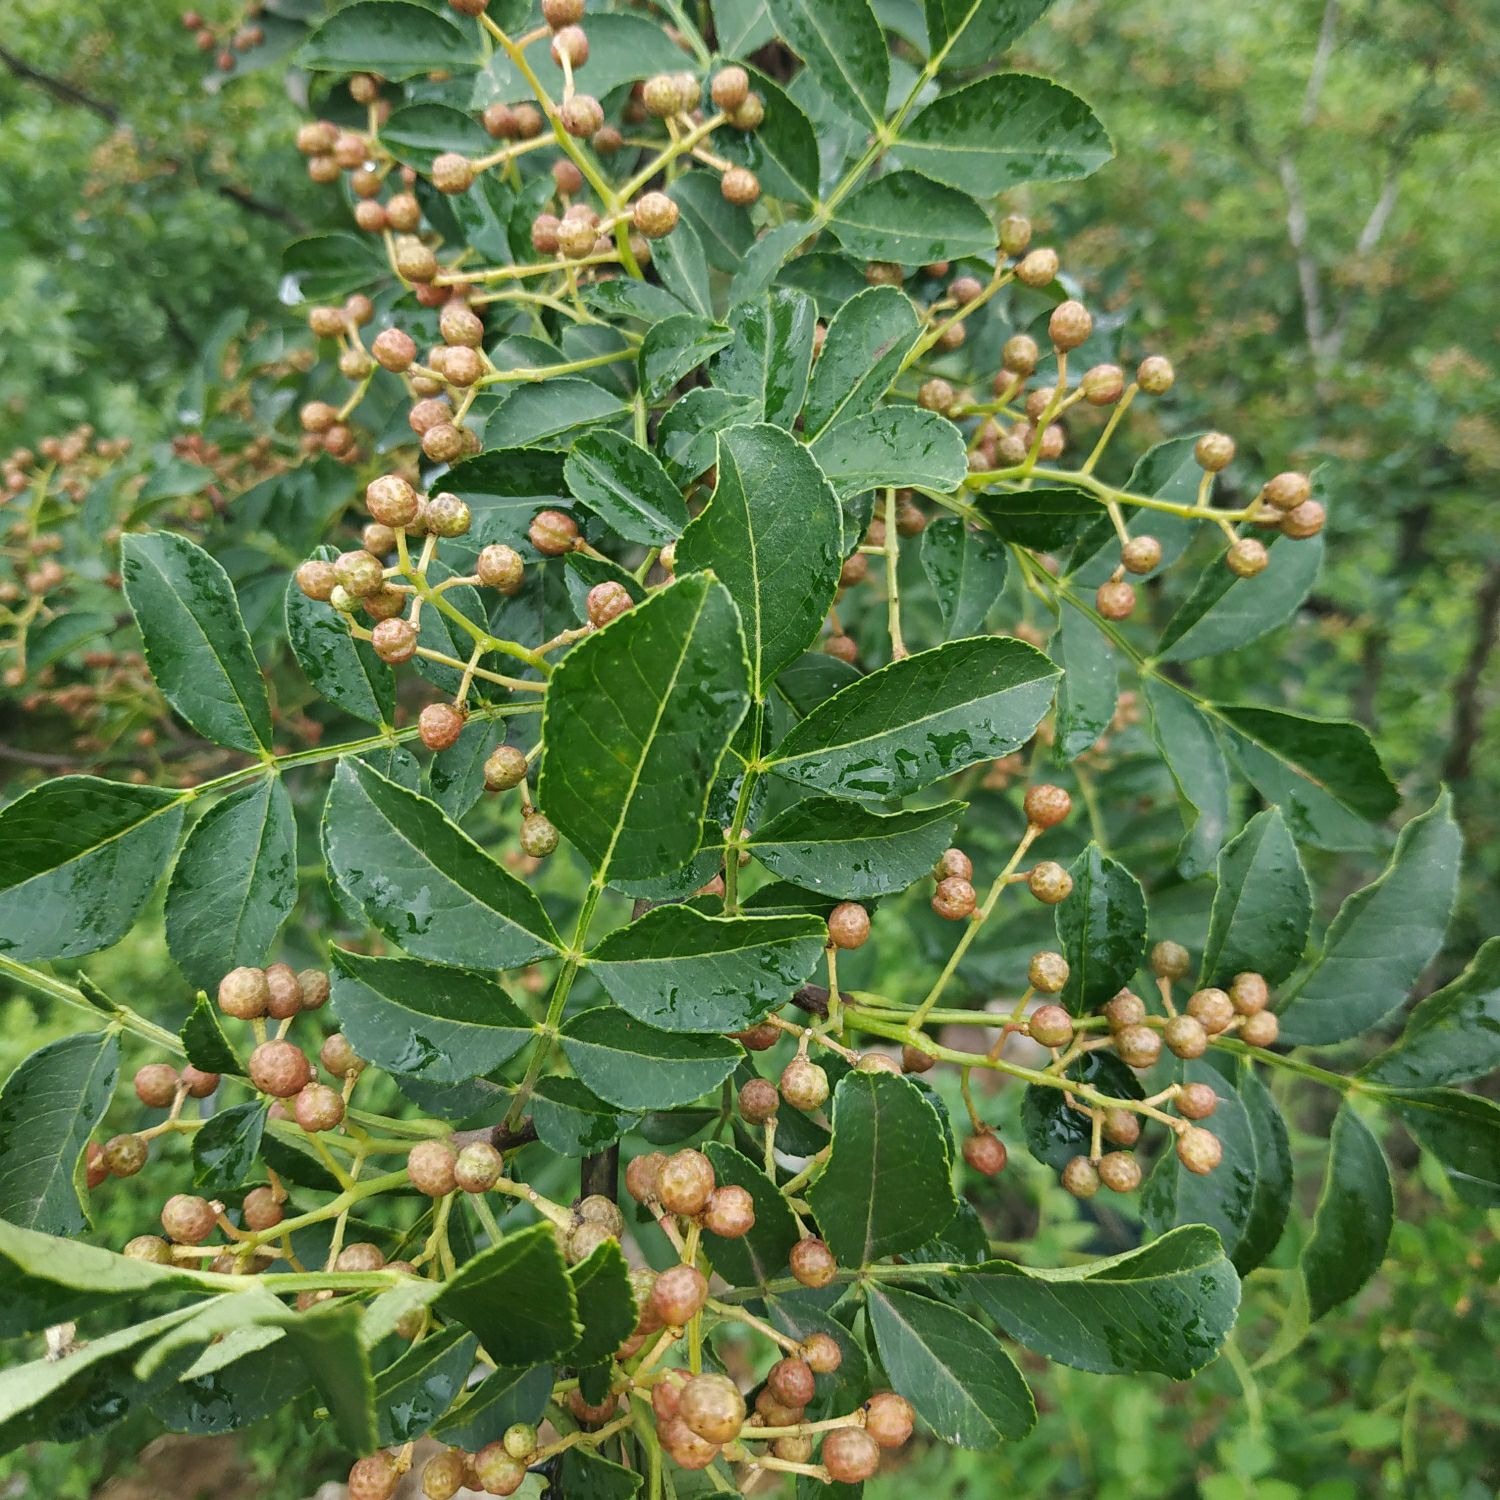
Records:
x=1302, y=215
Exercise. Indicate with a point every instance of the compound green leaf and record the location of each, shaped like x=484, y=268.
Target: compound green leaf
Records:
x=423, y=881
x=851, y=852
x=966, y=569
x=225, y=1149
x=503, y=1397
x=636, y=1067
x=1042, y=519
x=1186, y=741
x=638, y=718
x=969, y=32
x=1353, y=1219
x=49, y=1108
x=425, y=1020
x=345, y=671
x=1452, y=1035
x=887, y=1186
x=329, y=1347
x=204, y=1041
x=196, y=643
x=622, y=49
x=963, y=1385
x=1090, y=685
x=234, y=883
x=606, y=1304
x=844, y=49
x=572, y=1120
x=1462, y=1131
x=627, y=488
x=1273, y=1173
x=1101, y=929
x=390, y=38
x=1262, y=906
x=674, y=348
x=867, y=340
x=920, y=719
x=79, y=858
x=1324, y=774
x=516, y=1298
x=760, y=1256
x=1055, y=1131
x=1225, y=611
x=782, y=150
x=773, y=535
x=771, y=356
x=1004, y=130
x=1225, y=1198
x=588, y=1473
x=681, y=263
x=416, y=1389
x=548, y=413
x=1383, y=936
x=907, y=218
x=1164, y=1309
x=417, y=134
x=742, y=26
x=892, y=446
x=679, y=970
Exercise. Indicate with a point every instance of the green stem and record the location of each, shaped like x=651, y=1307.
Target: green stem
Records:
x=121, y=1015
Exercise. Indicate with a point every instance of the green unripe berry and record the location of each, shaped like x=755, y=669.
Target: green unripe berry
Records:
x=505, y=768
x=538, y=836
x=1080, y=1177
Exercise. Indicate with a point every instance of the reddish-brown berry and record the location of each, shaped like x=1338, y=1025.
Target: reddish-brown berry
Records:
x=850, y=1455
x=685, y=1182
x=188, y=1220
x=812, y=1262
x=848, y=925
x=954, y=899
x=985, y=1152
x=319, y=1107
x=804, y=1085
x=431, y=1165
x=1199, y=1150
x=679, y=1293
x=1049, y=882
x=156, y=1085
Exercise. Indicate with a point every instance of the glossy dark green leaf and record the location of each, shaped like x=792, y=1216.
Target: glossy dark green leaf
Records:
x=1353, y=1219
x=892, y=446
x=51, y=1280
x=636, y=1067
x=1225, y=611
x=687, y=435
x=1452, y=1035
x=345, y=671
x=920, y=719
x=627, y=488
x=1273, y=1174
x=196, y=644
x=74, y=1397
x=225, y=1149
x=1164, y=1309
x=674, y=348
x=1101, y=929
x=64, y=634
x=1090, y=685
x=742, y=26
x=1055, y=1131
x=851, y=852
x=428, y=1020
x=680, y=261
x=234, y=883
x=516, y=1298
x=425, y=883
x=504, y=488
x=771, y=355
x=760, y=1256
x=419, y=1387
x=887, y=1186
x=725, y=230
x=773, y=535
x=204, y=1041
x=625, y=297
x=1043, y=519
x=907, y=218
x=585, y=1472
x=49, y=1107
x=764, y=260
x=503, y=1397
x=1186, y=741
x=638, y=718
x=390, y=38
x=1462, y=1131
x=968, y=32
x=1004, y=130
x=455, y=779
x=681, y=971
x=966, y=569
x=331, y=1350
x=324, y=267
x=868, y=337
x=79, y=858
x=572, y=1120
x=1324, y=774
x=782, y=150
x=232, y=1384
x=1383, y=936
x=1224, y=1199
x=844, y=49
x=417, y=134
x=963, y=1385
x=606, y=1304
x=1262, y=906
x=550, y=413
